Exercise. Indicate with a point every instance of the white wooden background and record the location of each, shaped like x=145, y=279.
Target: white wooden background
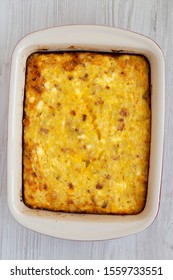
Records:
x=153, y=18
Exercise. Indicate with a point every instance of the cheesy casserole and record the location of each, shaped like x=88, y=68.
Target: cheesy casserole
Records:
x=86, y=132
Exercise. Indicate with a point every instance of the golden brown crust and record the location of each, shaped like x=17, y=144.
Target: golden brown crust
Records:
x=86, y=131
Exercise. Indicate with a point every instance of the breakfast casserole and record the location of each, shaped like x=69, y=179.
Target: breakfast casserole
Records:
x=86, y=132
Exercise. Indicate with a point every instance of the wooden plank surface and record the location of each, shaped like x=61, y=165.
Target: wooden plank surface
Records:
x=149, y=17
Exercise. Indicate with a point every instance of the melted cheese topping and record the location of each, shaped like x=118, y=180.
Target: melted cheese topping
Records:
x=86, y=132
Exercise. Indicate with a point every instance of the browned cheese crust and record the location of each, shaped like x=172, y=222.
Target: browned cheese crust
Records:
x=86, y=132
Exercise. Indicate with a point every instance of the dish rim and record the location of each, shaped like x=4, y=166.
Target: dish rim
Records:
x=58, y=222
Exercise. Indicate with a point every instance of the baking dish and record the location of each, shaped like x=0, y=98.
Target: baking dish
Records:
x=84, y=226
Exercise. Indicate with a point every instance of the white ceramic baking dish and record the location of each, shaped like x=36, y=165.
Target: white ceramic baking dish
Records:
x=84, y=226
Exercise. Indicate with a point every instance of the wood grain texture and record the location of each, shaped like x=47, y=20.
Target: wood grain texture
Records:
x=150, y=17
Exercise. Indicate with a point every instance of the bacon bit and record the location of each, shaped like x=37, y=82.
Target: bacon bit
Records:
x=84, y=117
x=70, y=77
x=124, y=112
x=58, y=104
x=84, y=78
x=71, y=187
x=44, y=130
x=37, y=88
x=57, y=87
x=77, y=130
x=45, y=187
x=99, y=102
x=35, y=66
x=107, y=87
x=99, y=186
x=36, y=75
x=121, y=126
x=121, y=120
x=108, y=176
x=87, y=162
x=73, y=113
x=104, y=204
x=122, y=73
x=34, y=174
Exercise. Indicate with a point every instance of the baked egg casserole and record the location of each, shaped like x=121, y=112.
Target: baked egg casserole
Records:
x=86, y=132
